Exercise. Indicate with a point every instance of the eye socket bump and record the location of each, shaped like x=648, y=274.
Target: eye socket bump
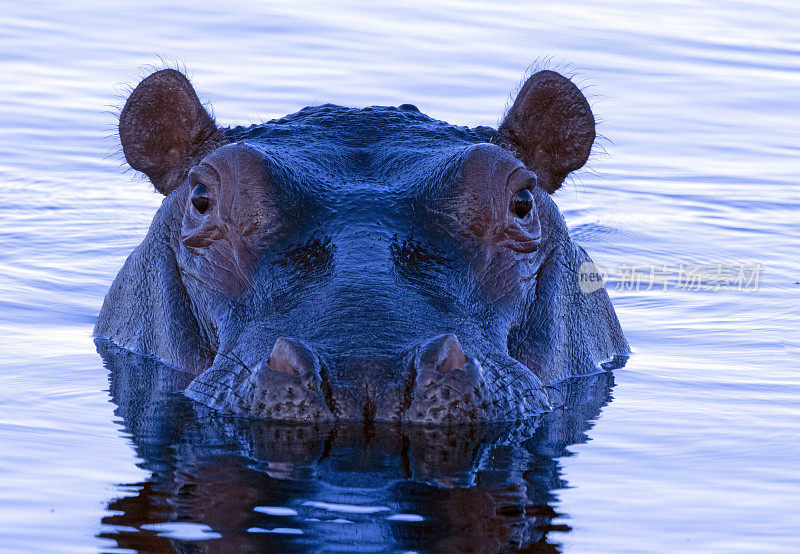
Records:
x=522, y=203
x=200, y=198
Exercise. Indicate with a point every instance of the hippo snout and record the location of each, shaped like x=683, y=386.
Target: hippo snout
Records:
x=436, y=382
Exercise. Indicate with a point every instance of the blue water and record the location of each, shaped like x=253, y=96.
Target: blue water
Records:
x=694, y=446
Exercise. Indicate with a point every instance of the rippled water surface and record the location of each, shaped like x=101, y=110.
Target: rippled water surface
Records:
x=692, y=447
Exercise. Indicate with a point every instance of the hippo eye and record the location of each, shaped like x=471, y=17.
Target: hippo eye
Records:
x=200, y=199
x=522, y=203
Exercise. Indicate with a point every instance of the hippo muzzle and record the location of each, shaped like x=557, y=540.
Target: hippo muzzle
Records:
x=439, y=384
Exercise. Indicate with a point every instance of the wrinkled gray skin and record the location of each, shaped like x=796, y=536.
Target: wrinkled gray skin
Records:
x=361, y=264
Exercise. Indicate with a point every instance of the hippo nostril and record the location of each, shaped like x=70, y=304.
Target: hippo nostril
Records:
x=443, y=353
x=290, y=357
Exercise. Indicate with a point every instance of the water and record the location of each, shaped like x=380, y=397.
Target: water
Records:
x=692, y=447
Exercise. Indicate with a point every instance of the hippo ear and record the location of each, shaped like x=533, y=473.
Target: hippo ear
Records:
x=551, y=125
x=163, y=127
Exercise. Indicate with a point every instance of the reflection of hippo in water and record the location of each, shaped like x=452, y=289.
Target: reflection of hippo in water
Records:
x=220, y=484
x=361, y=264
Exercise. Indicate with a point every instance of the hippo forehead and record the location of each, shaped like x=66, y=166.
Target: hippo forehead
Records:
x=353, y=149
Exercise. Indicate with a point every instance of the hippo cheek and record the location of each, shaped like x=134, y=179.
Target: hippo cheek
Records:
x=224, y=266
x=214, y=254
x=502, y=277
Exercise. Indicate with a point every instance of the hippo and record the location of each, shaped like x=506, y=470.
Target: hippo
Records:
x=362, y=264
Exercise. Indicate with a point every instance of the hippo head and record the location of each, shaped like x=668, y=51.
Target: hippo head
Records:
x=361, y=264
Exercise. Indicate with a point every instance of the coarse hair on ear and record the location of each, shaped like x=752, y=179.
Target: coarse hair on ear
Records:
x=163, y=127
x=550, y=127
